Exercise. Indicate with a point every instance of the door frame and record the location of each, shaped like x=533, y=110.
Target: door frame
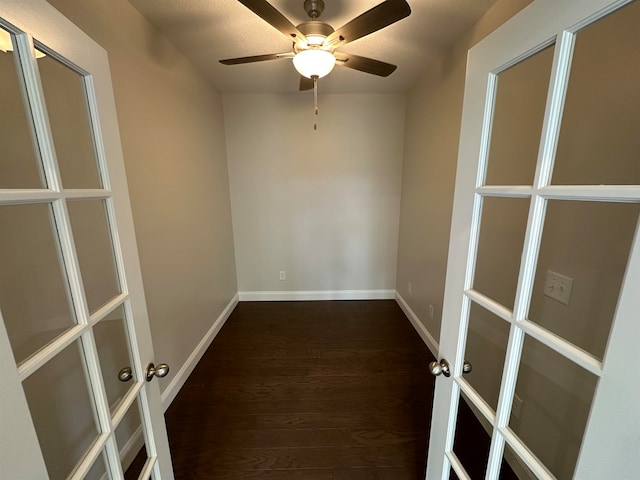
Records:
x=611, y=438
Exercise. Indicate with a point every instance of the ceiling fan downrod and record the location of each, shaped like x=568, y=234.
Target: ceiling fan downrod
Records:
x=314, y=8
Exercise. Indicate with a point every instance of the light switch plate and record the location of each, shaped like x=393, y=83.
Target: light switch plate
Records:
x=558, y=287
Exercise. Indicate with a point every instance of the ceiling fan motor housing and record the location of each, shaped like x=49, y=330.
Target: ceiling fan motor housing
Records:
x=314, y=8
x=313, y=28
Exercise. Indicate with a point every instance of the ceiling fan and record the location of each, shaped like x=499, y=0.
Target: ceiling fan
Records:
x=315, y=43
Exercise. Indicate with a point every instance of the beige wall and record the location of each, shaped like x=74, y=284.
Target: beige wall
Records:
x=321, y=204
x=172, y=132
x=434, y=113
x=432, y=133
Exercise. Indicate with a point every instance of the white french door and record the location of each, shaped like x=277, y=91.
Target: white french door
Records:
x=74, y=334
x=543, y=282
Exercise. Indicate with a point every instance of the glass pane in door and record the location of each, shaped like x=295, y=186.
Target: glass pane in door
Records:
x=472, y=438
x=62, y=410
x=502, y=229
x=113, y=353
x=587, y=244
x=453, y=476
x=485, y=349
x=129, y=436
x=513, y=468
x=99, y=470
x=599, y=141
x=95, y=251
x=67, y=107
x=19, y=162
x=34, y=298
x=517, y=120
x=555, y=398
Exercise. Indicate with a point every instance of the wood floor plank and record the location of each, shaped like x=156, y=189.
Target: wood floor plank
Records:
x=393, y=473
x=380, y=402
x=383, y=437
x=275, y=438
x=237, y=389
x=205, y=473
x=316, y=363
x=304, y=458
x=357, y=420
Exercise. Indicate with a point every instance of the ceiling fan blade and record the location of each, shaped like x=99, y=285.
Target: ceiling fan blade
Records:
x=306, y=83
x=364, y=64
x=256, y=58
x=273, y=17
x=370, y=21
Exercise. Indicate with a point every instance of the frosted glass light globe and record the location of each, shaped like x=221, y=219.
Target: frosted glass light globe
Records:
x=314, y=62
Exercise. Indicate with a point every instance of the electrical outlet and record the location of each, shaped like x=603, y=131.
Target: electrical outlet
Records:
x=516, y=406
x=558, y=287
x=283, y=275
x=431, y=312
x=410, y=288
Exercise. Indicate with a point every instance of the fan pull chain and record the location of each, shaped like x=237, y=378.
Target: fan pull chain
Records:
x=315, y=101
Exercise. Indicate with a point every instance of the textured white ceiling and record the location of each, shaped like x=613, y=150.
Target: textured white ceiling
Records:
x=206, y=31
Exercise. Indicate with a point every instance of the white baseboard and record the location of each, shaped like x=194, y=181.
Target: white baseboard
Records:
x=180, y=378
x=316, y=295
x=428, y=339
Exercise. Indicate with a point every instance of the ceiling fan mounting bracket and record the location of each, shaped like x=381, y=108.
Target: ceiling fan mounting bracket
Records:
x=314, y=8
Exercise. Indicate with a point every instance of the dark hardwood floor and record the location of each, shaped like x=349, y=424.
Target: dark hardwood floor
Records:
x=306, y=390
x=313, y=391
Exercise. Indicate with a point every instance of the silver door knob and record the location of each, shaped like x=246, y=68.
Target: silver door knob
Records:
x=466, y=367
x=441, y=367
x=125, y=374
x=160, y=371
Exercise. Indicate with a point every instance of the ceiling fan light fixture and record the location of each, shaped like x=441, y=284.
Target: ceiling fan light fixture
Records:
x=315, y=40
x=314, y=63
